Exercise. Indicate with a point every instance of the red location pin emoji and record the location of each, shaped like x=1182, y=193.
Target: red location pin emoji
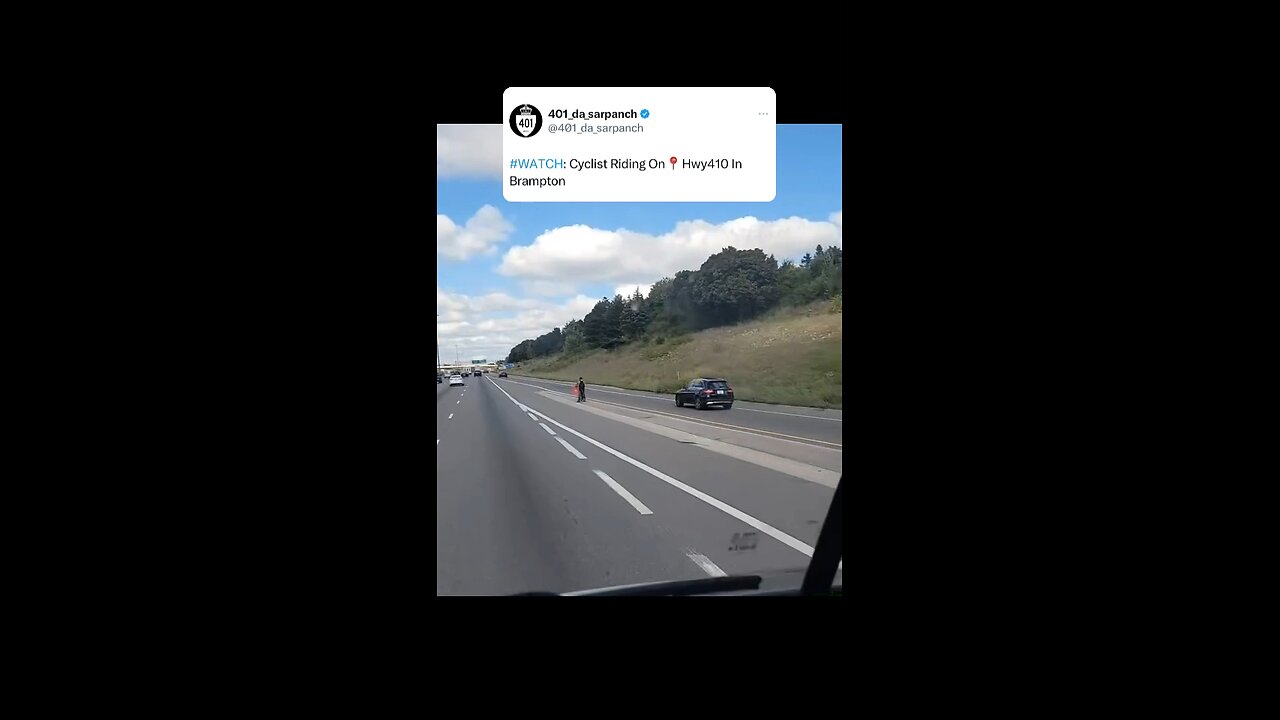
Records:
x=673, y=162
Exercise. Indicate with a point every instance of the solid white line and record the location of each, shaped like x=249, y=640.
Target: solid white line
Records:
x=763, y=527
x=771, y=434
x=712, y=423
x=569, y=447
x=705, y=563
x=544, y=427
x=523, y=408
x=655, y=397
x=450, y=416
x=639, y=506
x=517, y=382
x=776, y=412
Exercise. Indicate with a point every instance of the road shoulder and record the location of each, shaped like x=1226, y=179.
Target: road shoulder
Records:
x=772, y=453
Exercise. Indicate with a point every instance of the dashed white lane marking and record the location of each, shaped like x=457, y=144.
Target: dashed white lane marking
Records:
x=569, y=447
x=533, y=417
x=437, y=442
x=705, y=563
x=450, y=416
x=639, y=506
x=544, y=427
x=458, y=403
x=726, y=508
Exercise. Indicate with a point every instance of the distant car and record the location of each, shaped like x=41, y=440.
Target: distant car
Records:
x=502, y=373
x=476, y=373
x=486, y=371
x=439, y=379
x=703, y=393
x=455, y=380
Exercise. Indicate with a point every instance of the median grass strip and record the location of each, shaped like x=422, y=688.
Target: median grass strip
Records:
x=789, y=357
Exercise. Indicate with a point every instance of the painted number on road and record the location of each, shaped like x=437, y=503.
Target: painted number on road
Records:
x=744, y=541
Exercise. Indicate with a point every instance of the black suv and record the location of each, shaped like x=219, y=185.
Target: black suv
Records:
x=705, y=392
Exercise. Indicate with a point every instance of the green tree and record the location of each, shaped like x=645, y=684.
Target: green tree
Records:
x=552, y=342
x=593, y=333
x=521, y=352
x=791, y=282
x=735, y=285
x=836, y=255
x=626, y=322
x=819, y=259
x=681, y=310
x=656, y=305
x=639, y=315
x=573, y=340
x=612, y=328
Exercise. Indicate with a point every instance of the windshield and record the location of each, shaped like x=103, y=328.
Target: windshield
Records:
x=587, y=455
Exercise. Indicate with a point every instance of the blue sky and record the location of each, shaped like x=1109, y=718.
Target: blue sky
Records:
x=510, y=271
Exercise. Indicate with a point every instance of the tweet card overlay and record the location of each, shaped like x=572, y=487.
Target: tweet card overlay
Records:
x=563, y=144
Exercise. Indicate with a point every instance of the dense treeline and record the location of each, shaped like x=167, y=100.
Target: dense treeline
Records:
x=731, y=286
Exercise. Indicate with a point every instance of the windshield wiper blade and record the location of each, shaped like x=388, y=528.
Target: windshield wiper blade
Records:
x=826, y=556
x=700, y=586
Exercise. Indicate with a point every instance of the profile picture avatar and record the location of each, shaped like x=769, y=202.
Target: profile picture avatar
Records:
x=526, y=121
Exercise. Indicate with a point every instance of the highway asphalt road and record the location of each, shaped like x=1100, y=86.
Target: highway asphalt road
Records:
x=534, y=494
x=810, y=425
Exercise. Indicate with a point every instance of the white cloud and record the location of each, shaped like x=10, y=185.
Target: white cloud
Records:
x=468, y=151
x=490, y=325
x=457, y=307
x=548, y=288
x=622, y=256
x=626, y=290
x=481, y=235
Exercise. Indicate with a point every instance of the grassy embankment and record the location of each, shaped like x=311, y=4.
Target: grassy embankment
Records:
x=789, y=357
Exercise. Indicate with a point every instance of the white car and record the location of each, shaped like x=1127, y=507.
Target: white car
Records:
x=455, y=380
